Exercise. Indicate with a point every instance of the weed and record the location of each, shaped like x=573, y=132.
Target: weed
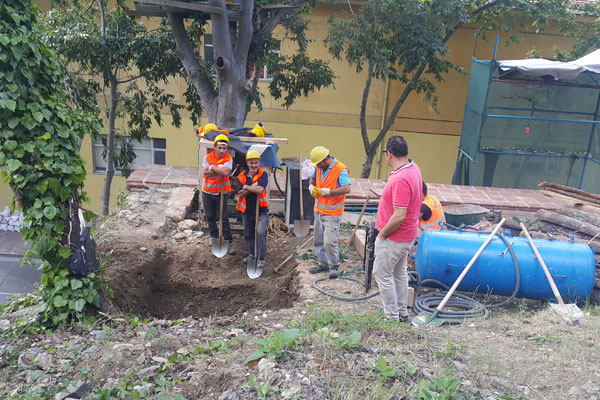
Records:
x=214, y=332
x=409, y=367
x=451, y=351
x=308, y=255
x=213, y=347
x=152, y=332
x=347, y=342
x=384, y=368
x=133, y=321
x=274, y=347
x=347, y=322
x=448, y=388
x=549, y=339
x=346, y=226
x=263, y=390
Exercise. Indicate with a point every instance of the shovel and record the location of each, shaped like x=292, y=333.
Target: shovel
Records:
x=570, y=312
x=219, y=247
x=425, y=318
x=252, y=268
x=301, y=226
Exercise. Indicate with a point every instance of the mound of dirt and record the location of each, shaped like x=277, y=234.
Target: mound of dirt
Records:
x=154, y=275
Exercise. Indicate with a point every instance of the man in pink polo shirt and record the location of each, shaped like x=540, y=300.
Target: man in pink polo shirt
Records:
x=398, y=225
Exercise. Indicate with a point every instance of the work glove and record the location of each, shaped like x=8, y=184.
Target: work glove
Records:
x=316, y=192
x=325, y=191
x=310, y=188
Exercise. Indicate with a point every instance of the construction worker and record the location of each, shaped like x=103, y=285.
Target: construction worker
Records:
x=397, y=223
x=217, y=166
x=251, y=187
x=329, y=185
x=432, y=213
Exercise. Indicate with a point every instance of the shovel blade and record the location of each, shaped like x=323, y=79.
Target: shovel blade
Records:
x=426, y=319
x=569, y=311
x=301, y=227
x=219, y=247
x=253, y=269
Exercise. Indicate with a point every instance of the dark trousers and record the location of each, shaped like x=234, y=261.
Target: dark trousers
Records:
x=211, y=211
x=248, y=218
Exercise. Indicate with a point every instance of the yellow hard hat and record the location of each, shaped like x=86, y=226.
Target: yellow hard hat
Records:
x=259, y=130
x=252, y=155
x=209, y=127
x=318, y=154
x=221, y=138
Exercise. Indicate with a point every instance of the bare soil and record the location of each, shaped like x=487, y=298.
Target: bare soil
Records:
x=154, y=275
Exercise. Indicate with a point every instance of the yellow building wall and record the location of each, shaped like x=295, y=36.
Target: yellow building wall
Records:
x=330, y=117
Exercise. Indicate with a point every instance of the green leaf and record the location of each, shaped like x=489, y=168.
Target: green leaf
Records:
x=8, y=104
x=14, y=165
x=255, y=356
x=10, y=145
x=46, y=136
x=79, y=304
x=50, y=212
x=38, y=116
x=59, y=301
x=14, y=121
x=76, y=284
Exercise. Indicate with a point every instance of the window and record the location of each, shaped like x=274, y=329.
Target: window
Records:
x=150, y=151
x=209, y=57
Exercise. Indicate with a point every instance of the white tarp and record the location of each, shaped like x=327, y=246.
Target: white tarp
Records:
x=559, y=70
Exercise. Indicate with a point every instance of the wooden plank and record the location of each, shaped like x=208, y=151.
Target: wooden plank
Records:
x=204, y=7
x=278, y=7
x=548, y=185
x=259, y=139
x=359, y=242
x=144, y=13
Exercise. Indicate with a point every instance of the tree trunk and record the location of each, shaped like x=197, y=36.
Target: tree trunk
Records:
x=368, y=164
x=110, y=145
x=568, y=222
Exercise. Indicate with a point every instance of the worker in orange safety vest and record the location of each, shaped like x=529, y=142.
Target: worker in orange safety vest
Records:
x=216, y=167
x=432, y=213
x=251, y=188
x=329, y=185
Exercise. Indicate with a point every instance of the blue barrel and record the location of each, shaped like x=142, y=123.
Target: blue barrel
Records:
x=442, y=255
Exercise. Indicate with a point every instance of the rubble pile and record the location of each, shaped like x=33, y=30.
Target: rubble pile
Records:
x=9, y=221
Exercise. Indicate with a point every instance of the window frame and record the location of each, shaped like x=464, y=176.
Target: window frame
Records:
x=153, y=148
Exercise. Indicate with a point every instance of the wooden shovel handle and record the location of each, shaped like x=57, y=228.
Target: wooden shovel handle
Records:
x=359, y=218
x=541, y=260
x=221, y=211
x=301, y=195
x=276, y=269
x=475, y=257
x=256, y=230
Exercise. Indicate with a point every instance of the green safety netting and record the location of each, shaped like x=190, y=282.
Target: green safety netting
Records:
x=521, y=127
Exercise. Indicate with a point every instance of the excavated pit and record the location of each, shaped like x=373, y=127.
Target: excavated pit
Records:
x=154, y=274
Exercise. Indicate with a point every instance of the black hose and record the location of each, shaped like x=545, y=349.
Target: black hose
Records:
x=276, y=183
x=470, y=308
x=335, y=296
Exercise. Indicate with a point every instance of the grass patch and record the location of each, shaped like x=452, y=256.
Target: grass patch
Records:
x=347, y=322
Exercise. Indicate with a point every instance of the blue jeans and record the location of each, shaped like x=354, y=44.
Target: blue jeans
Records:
x=211, y=203
x=248, y=219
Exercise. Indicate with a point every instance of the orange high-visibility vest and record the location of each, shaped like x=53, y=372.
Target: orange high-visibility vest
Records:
x=330, y=205
x=213, y=185
x=262, y=198
x=437, y=214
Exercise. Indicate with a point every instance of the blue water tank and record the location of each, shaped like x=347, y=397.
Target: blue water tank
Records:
x=442, y=255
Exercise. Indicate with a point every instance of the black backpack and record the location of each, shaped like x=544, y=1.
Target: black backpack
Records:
x=83, y=260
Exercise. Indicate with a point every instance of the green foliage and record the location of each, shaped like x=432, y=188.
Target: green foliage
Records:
x=347, y=322
x=347, y=342
x=263, y=390
x=39, y=155
x=384, y=368
x=274, y=346
x=448, y=388
x=213, y=347
x=451, y=351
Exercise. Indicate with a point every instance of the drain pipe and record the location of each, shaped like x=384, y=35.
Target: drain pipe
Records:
x=383, y=110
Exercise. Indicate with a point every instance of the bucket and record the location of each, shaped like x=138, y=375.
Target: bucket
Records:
x=468, y=214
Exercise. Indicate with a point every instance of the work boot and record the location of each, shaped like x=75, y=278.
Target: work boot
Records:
x=230, y=249
x=260, y=264
x=333, y=273
x=321, y=267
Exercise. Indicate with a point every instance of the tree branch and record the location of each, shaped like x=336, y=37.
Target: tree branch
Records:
x=472, y=14
x=185, y=51
x=363, y=108
x=244, y=34
x=220, y=32
x=275, y=20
